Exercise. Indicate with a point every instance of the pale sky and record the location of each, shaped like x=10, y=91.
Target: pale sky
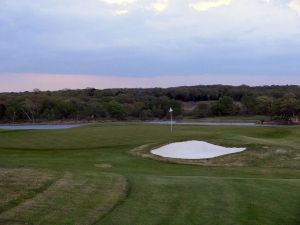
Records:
x=54, y=44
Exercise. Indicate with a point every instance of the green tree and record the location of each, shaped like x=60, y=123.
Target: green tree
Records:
x=264, y=105
x=176, y=106
x=30, y=108
x=13, y=111
x=249, y=103
x=95, y=110
x=117, y=110
x=224, y=107
x=2, y=110
x=146, y=114
x=286, y=107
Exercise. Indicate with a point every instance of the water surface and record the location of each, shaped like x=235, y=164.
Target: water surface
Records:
x=207, y=123
x=38, y=126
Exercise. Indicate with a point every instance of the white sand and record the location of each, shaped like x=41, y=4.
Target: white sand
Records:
x=193, y=150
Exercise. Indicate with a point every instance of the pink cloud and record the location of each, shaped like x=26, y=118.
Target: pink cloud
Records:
x=29, y=81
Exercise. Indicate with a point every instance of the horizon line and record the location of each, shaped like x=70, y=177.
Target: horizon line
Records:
x=27, y=82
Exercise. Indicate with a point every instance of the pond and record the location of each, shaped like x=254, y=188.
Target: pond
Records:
x=207, y=123
x=38, y=126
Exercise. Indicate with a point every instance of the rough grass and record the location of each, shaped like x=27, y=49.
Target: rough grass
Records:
x=17, y=185
x=253, y=156
x=259, y=186
x=72, y=199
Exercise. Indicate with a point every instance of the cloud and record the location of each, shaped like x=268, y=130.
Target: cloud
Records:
x=206, y=5
x=160, y=5
x=28, y=82
x=118, y=2
x=146, y=37
x=295, y=5
x=120, y=12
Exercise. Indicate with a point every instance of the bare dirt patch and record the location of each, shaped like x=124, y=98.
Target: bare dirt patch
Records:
x=103, y=165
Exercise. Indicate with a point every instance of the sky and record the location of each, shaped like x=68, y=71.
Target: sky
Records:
x=56, y=44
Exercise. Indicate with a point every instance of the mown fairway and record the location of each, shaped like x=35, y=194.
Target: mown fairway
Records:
x=88, y=176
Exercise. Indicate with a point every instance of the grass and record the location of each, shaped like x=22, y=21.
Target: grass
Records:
x=95, y=179
x=72, y=199
x=208, y=200
x=18, y=185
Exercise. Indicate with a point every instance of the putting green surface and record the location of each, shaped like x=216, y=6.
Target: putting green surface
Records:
x=89, y=175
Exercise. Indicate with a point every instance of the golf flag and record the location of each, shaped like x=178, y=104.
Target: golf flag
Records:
x=171, y=119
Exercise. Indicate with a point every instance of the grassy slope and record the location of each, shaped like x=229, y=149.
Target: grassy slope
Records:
x=266, y=190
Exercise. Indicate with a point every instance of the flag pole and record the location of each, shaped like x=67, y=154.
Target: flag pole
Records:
x=171, y=119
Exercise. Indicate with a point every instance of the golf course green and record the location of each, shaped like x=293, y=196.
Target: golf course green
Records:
x=90, y=175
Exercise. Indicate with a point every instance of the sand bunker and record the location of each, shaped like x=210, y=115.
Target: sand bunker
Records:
x=193, y=150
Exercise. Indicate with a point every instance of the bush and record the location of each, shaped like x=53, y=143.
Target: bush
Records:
x=224, y=107
x=116, y=110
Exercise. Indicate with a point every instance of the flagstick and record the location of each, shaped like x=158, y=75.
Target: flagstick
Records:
x=171, y=123
x=171, y=119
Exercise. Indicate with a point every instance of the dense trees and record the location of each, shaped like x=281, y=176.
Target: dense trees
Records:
x=278, y=102
x=225, y=106
x=117, y=110
x=2, y=110
x=286, y=107
x=249, y=103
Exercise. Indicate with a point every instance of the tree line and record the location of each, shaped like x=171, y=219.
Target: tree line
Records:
x=278, y=102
